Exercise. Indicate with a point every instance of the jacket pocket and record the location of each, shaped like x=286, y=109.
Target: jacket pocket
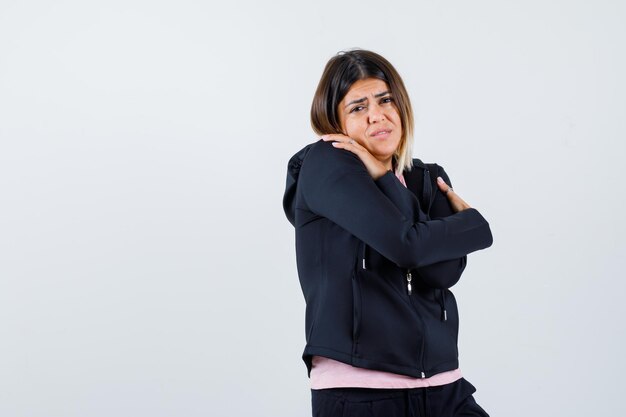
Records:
x=442, y=347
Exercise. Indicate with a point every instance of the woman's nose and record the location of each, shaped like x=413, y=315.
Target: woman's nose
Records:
x=376, y=114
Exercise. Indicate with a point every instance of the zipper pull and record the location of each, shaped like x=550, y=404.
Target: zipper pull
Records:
x=408, y=282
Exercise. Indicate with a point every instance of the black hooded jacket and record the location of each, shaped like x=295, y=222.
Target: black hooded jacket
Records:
x=375, y=263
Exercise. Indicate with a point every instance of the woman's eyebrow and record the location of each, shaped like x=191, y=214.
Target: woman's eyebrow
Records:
x=361, y=100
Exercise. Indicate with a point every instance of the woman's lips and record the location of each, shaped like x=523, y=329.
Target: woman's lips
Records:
x=382, y=135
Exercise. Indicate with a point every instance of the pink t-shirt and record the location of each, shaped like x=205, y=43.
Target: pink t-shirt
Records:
x=329, y=373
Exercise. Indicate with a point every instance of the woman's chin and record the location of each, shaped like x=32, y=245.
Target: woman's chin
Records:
x=384, y=150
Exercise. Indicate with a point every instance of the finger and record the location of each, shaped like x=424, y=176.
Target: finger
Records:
x=343, y=139
x=344, y=145
x=350, y=145
x=445, y=188
x=335, y=136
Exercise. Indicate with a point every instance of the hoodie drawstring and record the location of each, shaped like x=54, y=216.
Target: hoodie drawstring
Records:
x=363, y=254
x=444, y=313
x=428, y=191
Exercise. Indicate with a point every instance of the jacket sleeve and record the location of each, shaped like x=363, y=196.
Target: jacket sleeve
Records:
x=404, y=199
x=442, y=274
x=336, y=185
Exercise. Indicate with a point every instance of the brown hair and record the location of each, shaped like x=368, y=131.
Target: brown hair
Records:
x=343, y=70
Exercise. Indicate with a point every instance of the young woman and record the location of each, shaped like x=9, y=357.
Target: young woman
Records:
x=380, y=239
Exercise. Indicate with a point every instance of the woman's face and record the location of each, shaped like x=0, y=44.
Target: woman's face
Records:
x=368, y=114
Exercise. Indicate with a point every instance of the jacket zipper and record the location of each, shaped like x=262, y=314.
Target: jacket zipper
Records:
x=409, y=287
x=408, y=281
x=356, y=296
x=422, y=355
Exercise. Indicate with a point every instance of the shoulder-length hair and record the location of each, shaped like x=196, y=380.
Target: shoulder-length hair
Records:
x=343, y=70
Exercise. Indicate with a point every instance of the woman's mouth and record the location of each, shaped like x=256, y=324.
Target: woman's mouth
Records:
x=382, y=134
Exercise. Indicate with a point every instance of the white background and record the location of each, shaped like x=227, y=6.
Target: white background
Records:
x=147, y=267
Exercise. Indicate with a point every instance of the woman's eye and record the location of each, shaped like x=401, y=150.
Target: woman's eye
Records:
x=356, y=109
x=387, y=100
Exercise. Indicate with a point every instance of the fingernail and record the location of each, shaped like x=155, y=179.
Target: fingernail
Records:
x=440, y=179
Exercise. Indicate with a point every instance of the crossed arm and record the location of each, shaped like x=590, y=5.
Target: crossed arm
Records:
x=334, y=182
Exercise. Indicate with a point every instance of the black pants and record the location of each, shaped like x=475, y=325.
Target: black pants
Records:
x=450, y=400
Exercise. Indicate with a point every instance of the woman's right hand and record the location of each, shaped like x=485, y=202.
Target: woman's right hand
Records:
x=457, y=203
x=374, y=167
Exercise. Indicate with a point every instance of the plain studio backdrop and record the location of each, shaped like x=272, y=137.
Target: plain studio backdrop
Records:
x=147, y=267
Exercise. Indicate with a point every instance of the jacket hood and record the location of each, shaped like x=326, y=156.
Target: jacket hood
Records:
x=293, y=171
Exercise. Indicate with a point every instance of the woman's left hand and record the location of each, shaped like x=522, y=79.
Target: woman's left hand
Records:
x=375, y=168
